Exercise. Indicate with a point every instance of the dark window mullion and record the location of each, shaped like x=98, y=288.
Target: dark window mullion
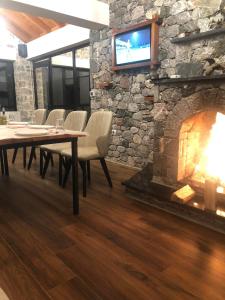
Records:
x=64, y=86
x=50, y=105
x=76, y=82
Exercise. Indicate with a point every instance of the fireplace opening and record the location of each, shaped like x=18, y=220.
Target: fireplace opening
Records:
x=201, y=160
x=193, y=140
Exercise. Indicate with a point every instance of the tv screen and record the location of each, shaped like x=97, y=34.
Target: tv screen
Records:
x=133, y=47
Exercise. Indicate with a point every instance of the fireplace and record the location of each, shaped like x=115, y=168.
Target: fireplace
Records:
x=180, y=161
x=187, y=156
x=185, y=131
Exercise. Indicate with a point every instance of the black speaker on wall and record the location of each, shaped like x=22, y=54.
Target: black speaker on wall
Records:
x=22, y=50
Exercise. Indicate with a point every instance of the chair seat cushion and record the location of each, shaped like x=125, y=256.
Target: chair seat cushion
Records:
x=56, y=148
x=84, y=153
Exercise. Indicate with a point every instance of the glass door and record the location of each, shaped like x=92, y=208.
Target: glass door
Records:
x=63, y=81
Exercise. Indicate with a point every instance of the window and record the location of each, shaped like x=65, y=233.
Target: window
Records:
x=84, y=86
x=67, y=80
x=7, y=85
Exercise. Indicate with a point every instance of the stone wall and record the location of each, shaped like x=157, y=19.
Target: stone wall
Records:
x=42, y=87
x=24, y=86
x=139, y=121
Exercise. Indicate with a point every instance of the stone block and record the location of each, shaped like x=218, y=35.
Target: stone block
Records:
x=138, y=116
x=121, y=149
x=172, y=31
x=139, y=98
x=178, y=7
x=133, y=107
x=124, y=82
x=137, y=13
x=215, y=4
x=140, y=78
x=135, y=89
x=128, y=135
x=125, y=144
x=189, y=69
x=147, y=92
x=137, y=139
x=134, y=130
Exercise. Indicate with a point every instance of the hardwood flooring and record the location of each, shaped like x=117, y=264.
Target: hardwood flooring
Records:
x=115, y=249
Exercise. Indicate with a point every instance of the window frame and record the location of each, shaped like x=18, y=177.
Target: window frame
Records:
x=41, y=61
x=11, y=90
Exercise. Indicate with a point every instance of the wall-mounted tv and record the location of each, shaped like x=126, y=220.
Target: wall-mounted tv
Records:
x=135, y=46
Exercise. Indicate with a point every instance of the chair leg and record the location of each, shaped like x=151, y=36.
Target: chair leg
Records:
x=83, y=165
x=35, y=157
x=89, y=171
x=67, y=172
x=44, y=154
x=106, y=171
x=6, y=168
x=60, y=169
x=46, y=164
x=31, y=157
x=52, y=161
x=14, y=155
x=2, y=162
x=24, y=157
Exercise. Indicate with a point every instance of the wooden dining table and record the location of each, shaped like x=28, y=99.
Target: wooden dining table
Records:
x=10, y=138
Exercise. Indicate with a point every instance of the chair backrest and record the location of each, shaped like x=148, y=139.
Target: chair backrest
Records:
x=39, y=116
x=54, y=115
x=76, y=120
x=99, y=129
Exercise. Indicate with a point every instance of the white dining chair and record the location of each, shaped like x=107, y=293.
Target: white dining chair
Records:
x=75, y=121
x=52, y=118
x=92, y=147
x=38, y=118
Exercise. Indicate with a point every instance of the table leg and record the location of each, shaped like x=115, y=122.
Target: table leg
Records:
x=2, y=162
x=5, y=156
x=75, y=185
x=24, y=157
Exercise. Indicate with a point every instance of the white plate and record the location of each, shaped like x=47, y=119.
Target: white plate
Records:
x=30, y=132
x=41, y=126
x=17, y=123
x=15, y=126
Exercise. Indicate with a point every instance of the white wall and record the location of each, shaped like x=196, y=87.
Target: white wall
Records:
x=8, y=53
x=8, y=42
x=57, y=39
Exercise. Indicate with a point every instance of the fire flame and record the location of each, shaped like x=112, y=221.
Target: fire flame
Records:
x=215, y=150
x=212, y=162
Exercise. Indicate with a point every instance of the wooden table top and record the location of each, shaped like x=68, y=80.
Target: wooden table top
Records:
x=8, y=135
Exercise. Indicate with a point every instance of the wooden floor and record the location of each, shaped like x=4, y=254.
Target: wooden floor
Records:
x=116, y=249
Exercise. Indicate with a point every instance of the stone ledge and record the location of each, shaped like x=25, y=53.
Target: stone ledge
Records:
x=198, y=36
x=188, y=79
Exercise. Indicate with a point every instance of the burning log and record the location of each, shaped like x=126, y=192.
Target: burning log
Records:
x=210, y=194
x=183, y=195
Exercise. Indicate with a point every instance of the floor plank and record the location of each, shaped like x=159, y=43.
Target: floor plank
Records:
x=115, y=249
x=15, y=281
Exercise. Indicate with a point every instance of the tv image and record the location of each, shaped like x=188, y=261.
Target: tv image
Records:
x=133, y=47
